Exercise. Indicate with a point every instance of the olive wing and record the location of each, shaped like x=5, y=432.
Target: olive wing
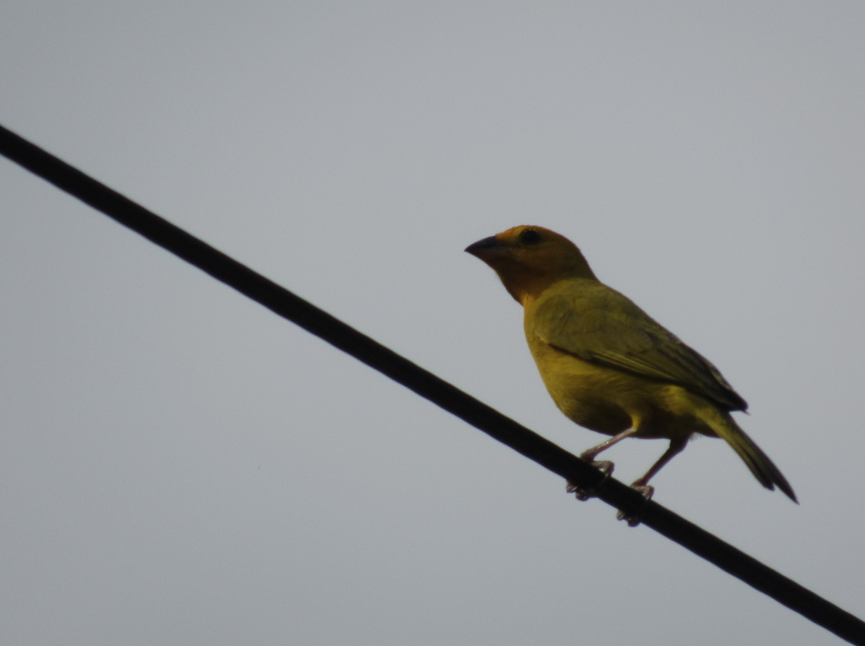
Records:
x=599, y=325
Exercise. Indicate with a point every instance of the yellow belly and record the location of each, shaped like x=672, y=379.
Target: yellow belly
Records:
x=610, y=401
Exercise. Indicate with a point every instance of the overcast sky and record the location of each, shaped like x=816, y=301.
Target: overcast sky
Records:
x=180, y=466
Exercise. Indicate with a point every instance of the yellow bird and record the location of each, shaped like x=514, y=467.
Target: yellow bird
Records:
x=607, y=365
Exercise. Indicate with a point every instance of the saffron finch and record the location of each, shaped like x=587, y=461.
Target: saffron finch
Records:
x=607, y=365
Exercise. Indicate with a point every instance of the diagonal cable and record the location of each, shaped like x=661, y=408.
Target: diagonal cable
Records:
x=424, y=383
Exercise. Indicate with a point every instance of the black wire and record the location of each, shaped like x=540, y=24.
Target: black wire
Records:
x=427, y=385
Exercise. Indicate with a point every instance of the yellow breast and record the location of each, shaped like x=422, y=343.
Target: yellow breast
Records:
x=610, y=401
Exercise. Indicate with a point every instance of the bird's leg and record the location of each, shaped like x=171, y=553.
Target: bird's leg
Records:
x=642, y=484
x=604, y=465
x=676, y=446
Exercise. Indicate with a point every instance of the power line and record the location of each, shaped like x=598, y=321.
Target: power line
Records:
x=424, y=383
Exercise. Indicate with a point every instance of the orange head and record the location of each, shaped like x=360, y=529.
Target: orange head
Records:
x=529, y=259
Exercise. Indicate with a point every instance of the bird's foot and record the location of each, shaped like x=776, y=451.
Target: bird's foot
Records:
x=634, y=519
x=584, y=494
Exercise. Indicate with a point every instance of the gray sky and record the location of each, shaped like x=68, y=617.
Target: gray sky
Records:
x=179, y=466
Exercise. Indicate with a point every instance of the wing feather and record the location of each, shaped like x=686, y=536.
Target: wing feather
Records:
x=597, y=324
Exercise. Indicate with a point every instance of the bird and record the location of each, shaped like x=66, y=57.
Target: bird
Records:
x=608, y=365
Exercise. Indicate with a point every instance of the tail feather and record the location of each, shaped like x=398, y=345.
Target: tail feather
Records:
x=758, y=462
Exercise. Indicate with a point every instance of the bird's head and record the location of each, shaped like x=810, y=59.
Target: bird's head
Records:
x=529, y=259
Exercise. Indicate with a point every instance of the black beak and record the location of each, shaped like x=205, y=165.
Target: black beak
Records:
x=483, y=247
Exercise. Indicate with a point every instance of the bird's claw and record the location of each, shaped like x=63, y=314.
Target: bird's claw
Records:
x=634, y=519
x=584, y=494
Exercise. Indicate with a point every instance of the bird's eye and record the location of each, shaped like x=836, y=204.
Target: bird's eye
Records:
x=530, y=237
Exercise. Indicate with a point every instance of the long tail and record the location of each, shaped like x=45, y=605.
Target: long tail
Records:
x=761, y=466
